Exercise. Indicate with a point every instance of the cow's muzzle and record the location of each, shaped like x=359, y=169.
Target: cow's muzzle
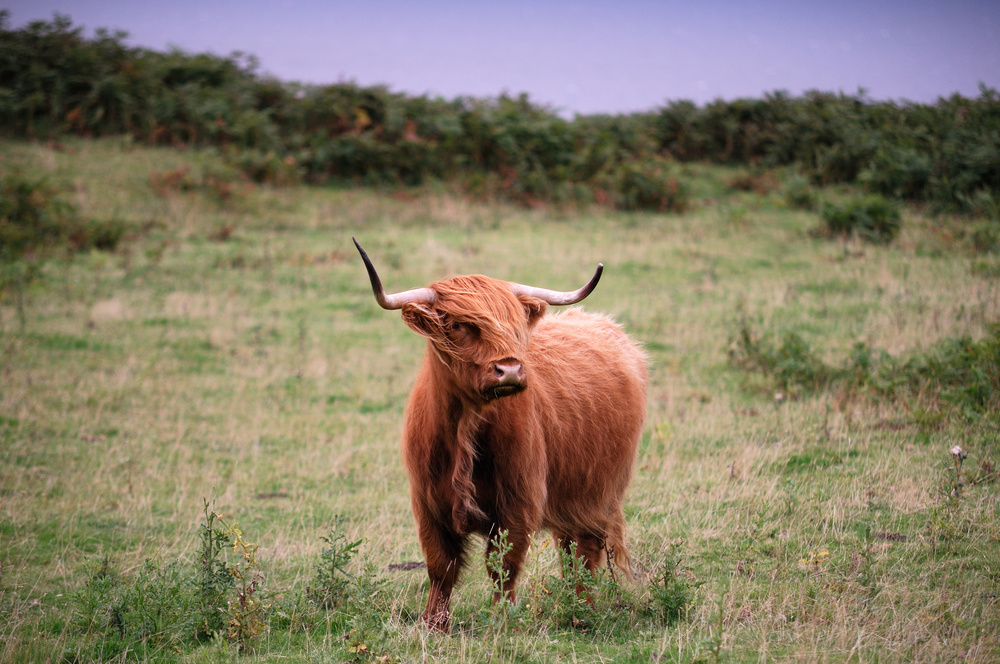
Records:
x=507, y=378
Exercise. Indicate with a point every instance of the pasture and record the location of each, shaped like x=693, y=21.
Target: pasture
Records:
x=229, y=351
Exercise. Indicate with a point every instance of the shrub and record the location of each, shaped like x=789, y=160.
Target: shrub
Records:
x=164, y=605
x=872, y=218
x=567, y=603
x=760, y=183
x=647, y=184
x=959, y=371
x=35, y=219
x=799, y=193
x=145, y=613
x=956, y=372
x=266, y=166
x=984, y=232
x=791, y=362
x=218, y=181
x=32, y=215
x=984, y=236
x=212, y=578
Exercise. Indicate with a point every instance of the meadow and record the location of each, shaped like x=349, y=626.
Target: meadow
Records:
x=223, y=372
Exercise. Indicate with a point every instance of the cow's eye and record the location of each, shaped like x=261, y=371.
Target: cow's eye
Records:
x=456, y=326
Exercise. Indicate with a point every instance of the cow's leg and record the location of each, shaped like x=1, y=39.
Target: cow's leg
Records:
x=444, y=553
x=590, y=549
x=518, y=541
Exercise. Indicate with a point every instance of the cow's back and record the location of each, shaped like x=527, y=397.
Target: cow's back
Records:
x=589, y=380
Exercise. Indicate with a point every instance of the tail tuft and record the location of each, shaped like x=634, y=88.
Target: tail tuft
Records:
x=620, y=558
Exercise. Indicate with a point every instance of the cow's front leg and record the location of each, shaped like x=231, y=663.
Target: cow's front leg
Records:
x=505, y=579
x=444, y=554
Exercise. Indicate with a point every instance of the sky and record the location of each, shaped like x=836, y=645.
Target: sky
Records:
x=579, y=57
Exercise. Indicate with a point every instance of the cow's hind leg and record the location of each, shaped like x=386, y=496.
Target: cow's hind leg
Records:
x=589, y=550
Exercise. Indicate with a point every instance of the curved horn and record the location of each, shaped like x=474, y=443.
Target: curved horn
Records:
x=396, y=301
x=560, y=298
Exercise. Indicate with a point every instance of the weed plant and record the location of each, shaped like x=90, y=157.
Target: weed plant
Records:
x=214, y=578
x=672, y=591
x=164, y=606
x=332, y=580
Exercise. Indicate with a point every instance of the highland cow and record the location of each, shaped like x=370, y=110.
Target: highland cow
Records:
x=518, y=421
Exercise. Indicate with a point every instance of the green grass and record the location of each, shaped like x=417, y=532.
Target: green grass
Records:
x=254, y=367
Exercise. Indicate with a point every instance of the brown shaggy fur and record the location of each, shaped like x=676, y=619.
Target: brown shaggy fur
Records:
x=554, y=451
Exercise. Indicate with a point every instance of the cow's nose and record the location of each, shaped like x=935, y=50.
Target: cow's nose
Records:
x=507, y=372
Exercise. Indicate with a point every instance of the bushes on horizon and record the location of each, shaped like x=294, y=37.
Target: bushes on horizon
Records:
x=53, y=80
x=899, y=171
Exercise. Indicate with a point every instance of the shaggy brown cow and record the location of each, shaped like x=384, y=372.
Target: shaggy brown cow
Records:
x=518, y=421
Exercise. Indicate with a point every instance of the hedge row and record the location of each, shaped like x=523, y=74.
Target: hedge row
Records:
x=54, y=79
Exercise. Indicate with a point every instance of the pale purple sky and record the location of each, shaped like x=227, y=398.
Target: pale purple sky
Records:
x=586, y=57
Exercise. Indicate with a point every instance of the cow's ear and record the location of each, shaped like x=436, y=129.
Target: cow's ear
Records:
x=533, y=307
x=421, y=318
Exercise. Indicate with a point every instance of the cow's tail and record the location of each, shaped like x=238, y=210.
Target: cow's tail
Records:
x=617, y=550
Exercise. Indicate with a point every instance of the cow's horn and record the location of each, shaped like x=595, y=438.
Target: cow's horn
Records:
x=397, y=300
x=560, y=298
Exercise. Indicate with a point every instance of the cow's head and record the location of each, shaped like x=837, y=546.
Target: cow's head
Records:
x=477, y=326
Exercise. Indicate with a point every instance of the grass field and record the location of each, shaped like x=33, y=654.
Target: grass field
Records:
x=229, y=350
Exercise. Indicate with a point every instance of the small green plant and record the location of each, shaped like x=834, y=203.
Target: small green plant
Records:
x=91, y=602
x=503, y=609
x=164, y=605
x=367, y=610
x=246, y=614
x=156, y=608
x=711, y=645
x=330, y=586
x=671, y=590
x=873, y=218
x=570, y=598
x=213, y=578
